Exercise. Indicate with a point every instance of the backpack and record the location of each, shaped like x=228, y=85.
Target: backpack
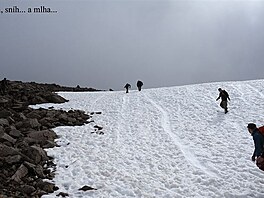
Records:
x=261, y=130
x=260, y=160
x=225, y=94
x=260, y=163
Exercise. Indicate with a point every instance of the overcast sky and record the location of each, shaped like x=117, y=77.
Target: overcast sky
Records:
x=106, y=43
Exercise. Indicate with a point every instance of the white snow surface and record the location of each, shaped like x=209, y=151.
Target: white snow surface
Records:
x=163, y=142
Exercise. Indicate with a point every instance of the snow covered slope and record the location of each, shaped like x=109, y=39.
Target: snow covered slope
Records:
x=165, y=142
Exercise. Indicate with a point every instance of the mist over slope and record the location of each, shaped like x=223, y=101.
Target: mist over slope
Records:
x=165, y=142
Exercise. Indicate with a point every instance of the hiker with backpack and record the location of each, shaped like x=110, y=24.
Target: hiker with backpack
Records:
x=224, y=96
x=127, y=86
x=258, y=141
x=3, y=86
x=139, y=85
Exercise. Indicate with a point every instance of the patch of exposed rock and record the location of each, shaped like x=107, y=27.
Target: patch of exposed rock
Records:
x=25, y=133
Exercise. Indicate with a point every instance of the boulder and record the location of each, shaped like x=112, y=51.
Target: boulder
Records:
x=10, y=151
x=6, y=151
x=31, y=141
x=35, y=169
x=55, y=98
x=15, y=159
x=46, y=186
x=63, y=117
x=22, y=116
x=38, y=100
x=11, y=120
x=31, y=123
x=42, y=135
x=4, y=136
x=34, y=115
x=19, y=106
x=98, y=127
x=21, y=172
x=19, y=125
x=72, y=120
x=39, y=171
x=4, y=122
x=27, y=189
x=63, y=194
x=4, y=102
x=36, y=154
x=5, y=113
x=49, y=144
x=15, y=133
x=85, y=188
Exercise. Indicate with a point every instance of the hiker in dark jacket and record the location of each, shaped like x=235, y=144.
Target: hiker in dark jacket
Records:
x=127, y=86
x=258, y=140
x=224, y=96
x=139, y=85
x=3, y=86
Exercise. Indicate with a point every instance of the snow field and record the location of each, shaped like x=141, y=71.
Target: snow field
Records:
x=164, y=142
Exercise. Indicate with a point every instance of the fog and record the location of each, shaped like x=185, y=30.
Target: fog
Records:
x=105, y=44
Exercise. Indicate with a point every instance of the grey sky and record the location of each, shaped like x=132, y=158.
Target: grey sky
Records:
x=104, y=44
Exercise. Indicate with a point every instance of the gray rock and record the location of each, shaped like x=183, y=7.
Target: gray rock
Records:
x=22, y=116
x=11, y=120
x=10, y=151
x=3, y=102
x=4, y=136
x=31, y=123
x=13, y=159
x=63, y=117
x=21, y=172
x=63, y=194
x=37, y=169
x=85, y=188
x=46, y=186
x=27, y=189
x=19, y=125
x=98, y=127
x=4, y=122
x=15, y=133
x=42, y=135
x=37, y=154
x=31, y=141
x=55, y=98
x=5, y=113
x=6, y=151
x=72, y=120
x=33, y=115
x=49, y=144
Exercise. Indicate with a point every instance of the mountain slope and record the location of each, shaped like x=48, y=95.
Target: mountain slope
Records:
x=165, y=142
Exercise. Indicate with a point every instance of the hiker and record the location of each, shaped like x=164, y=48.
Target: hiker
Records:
x=127, y=86
x=258, y=141
x=3, y=86
x=224, y=96
x=139, y=85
